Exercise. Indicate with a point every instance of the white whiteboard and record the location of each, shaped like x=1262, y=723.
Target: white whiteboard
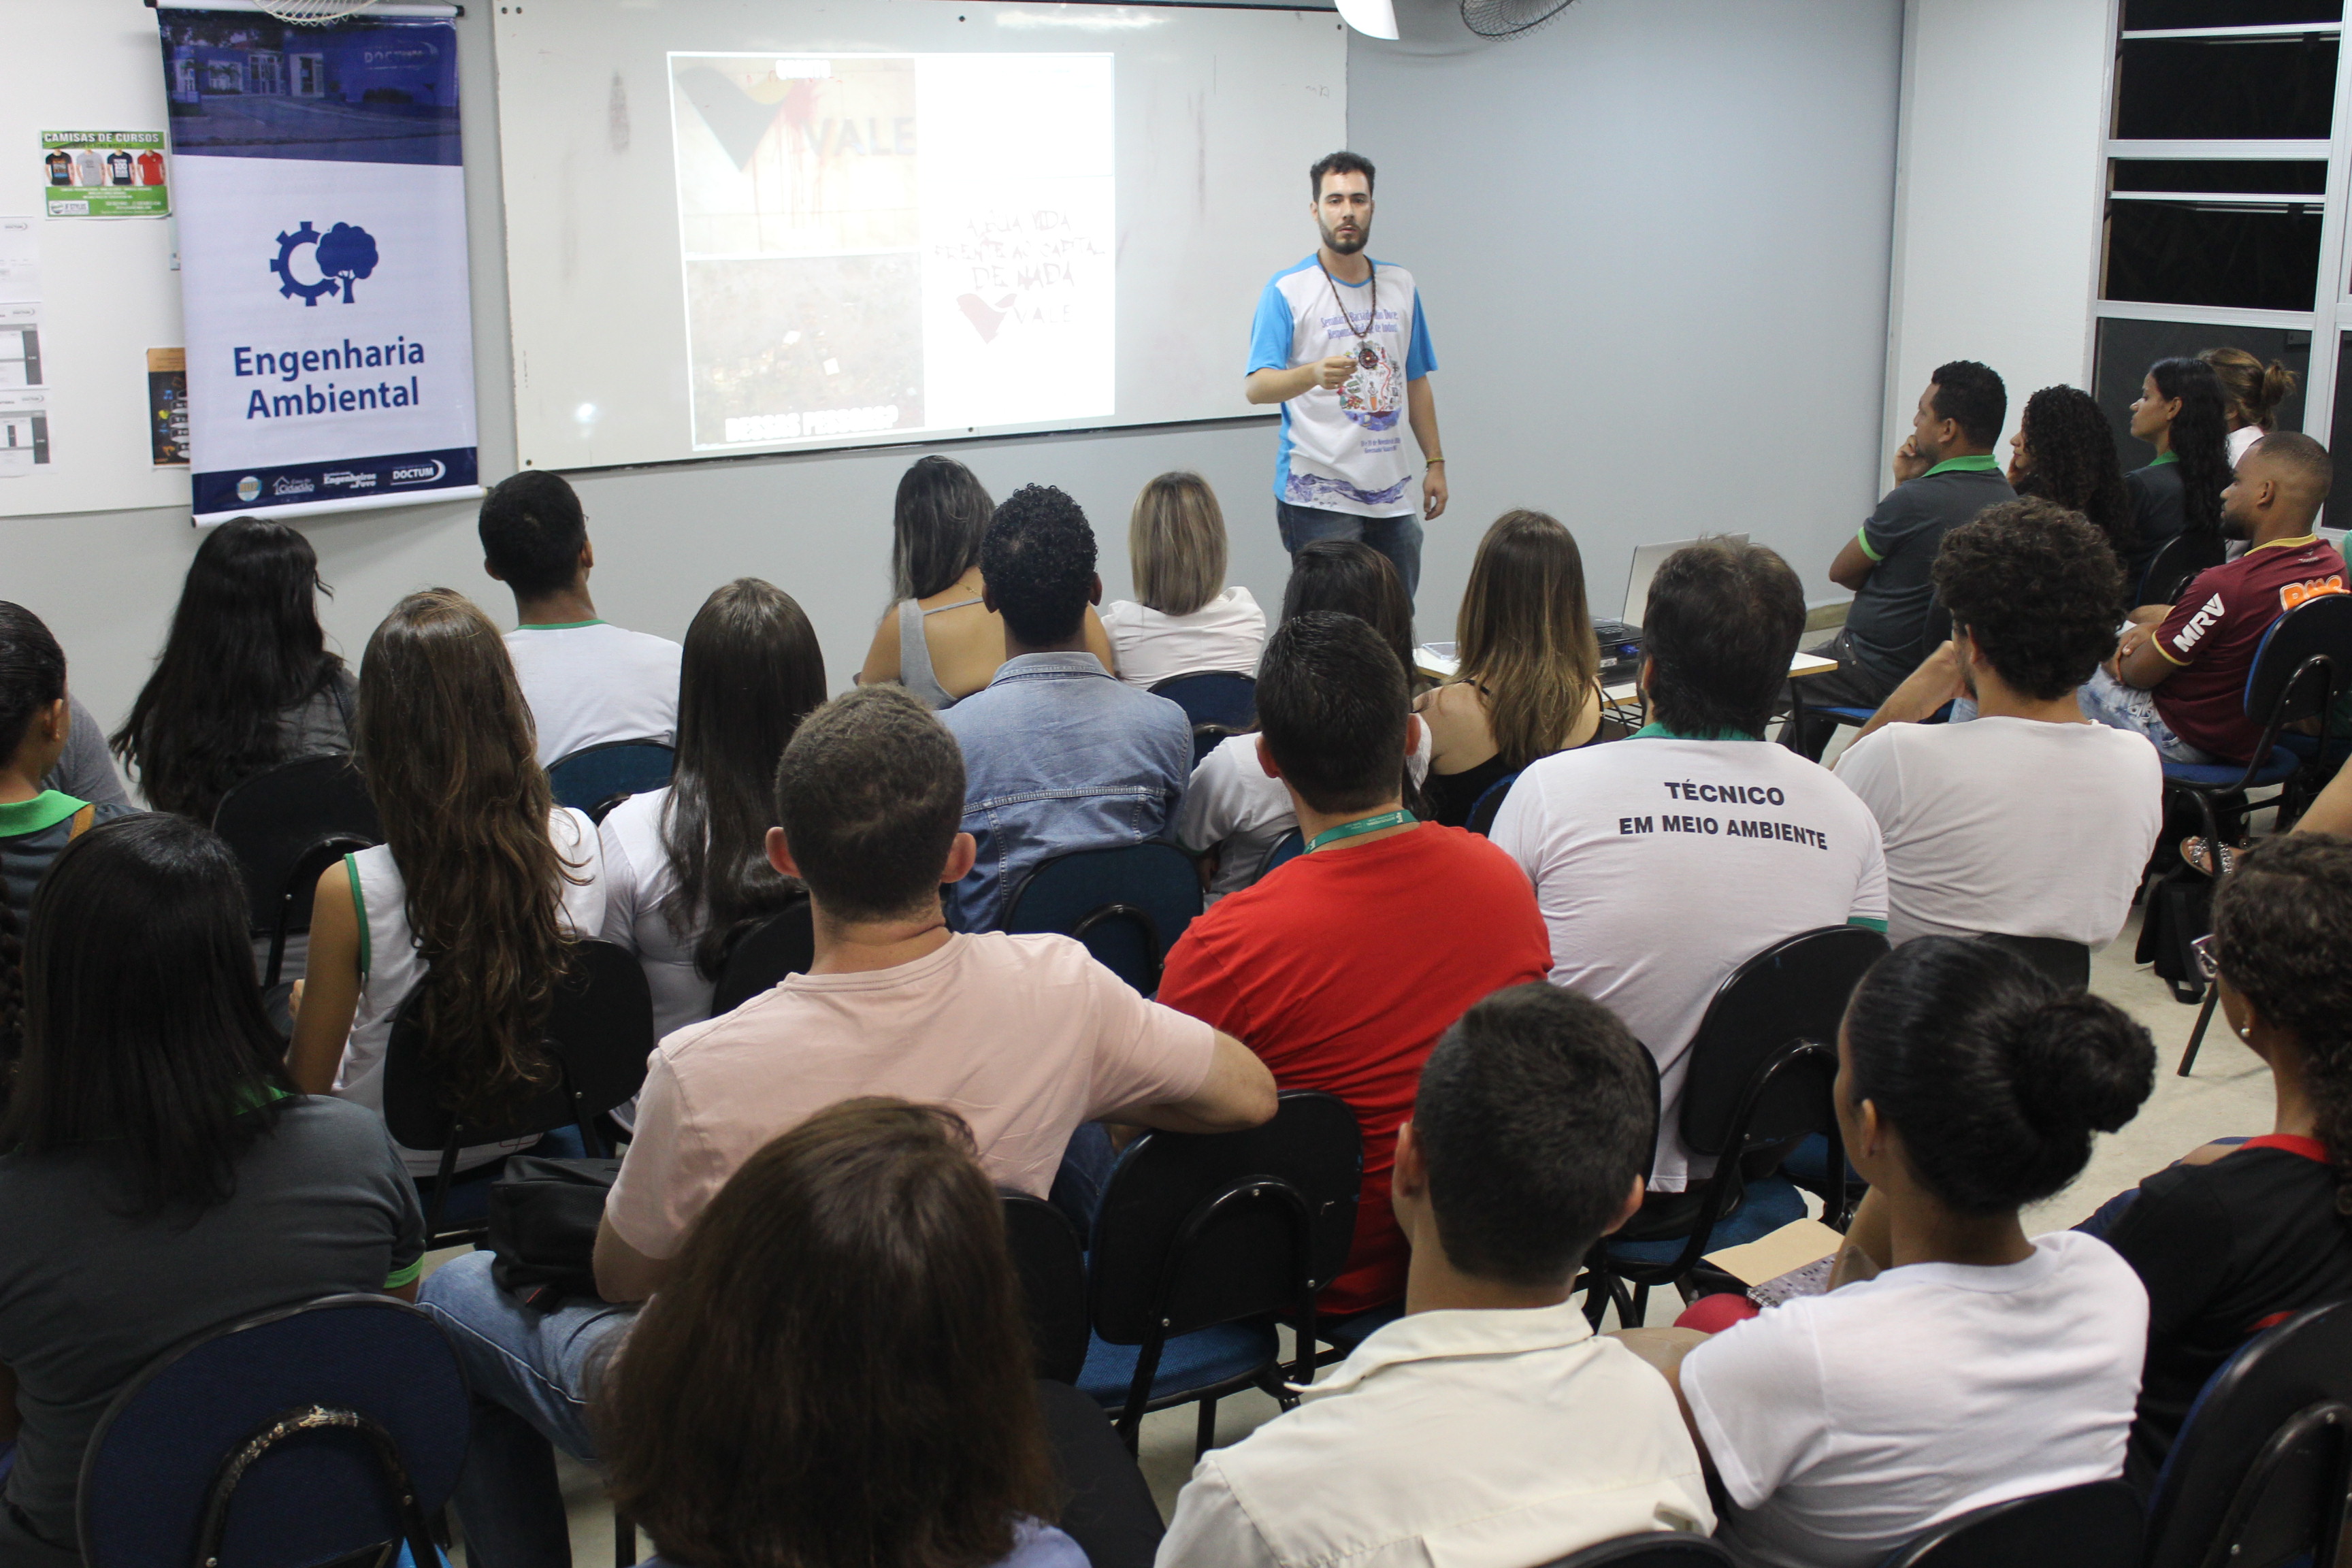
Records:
x=1212, y=116
x=108, y=291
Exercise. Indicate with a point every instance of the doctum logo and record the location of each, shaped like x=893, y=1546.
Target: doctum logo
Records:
x=341, y=255
x=419, y=473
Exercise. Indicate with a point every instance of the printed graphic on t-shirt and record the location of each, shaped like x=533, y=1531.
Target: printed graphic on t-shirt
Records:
x=2210, y=614
x=118, y=167
x=1674, y=813
x=60, y=169
x=1372, y=396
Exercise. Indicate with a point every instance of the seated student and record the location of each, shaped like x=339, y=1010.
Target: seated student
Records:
x=475, y=894
x=1489, y=1428
x=1184, y=617
x=2241, y=1234
x=869, y=1225
x=2183, y=413
x=587, y=680
x=1026, y=1037
x=2178, y=676
x=2064, y=451
x=158, y=1178
x=245, y=680
x=1663, y=863
x=2251, y=393
x=686, y=867
x=1058, y=756
x=1954, y=1362
x=940, y=641
x=1530, y=681
x=1342, y=972
x=1235, y=811
x=2029, y=820
x=1944, y=475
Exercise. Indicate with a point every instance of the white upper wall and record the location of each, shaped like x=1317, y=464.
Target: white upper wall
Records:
x=1997, y=203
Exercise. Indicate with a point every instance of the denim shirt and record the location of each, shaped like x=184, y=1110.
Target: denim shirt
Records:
x=1059, y=756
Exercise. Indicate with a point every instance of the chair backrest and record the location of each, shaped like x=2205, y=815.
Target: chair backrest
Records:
x=1286, y=848
x=1792, y=993
x=1219, y=702
x=2176, y=563
x=599, y=1033
x=2094, y=1526
x=1127, y=905
x=1658, y=1549
x=367, y=1405
x=279, y=821
x=594, y=774
x=2066, y=964
x=1196, y=1230
x=784, y=943
x=2304, y=660
x=1052, y=1262
x=2259, y=1465
x=1489, y=801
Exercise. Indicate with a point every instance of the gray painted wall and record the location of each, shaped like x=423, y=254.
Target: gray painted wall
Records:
x=1653, y=238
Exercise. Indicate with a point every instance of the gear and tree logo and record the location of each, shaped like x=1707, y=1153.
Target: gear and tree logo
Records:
x=342, y=255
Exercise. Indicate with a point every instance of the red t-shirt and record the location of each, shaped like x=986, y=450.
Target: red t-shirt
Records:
x=150, y=168
x=2216, y=629
x=1340, y=970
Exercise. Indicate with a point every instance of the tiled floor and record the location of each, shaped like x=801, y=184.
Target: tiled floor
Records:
x=2229, y=1094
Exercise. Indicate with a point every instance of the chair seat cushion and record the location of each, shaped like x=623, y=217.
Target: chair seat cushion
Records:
x=1187, y=1362
x=1772, y=1202
x=2225, y=775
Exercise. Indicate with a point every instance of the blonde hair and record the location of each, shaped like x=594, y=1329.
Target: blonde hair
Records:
x=2254, y=389
x=1525, y=635
x=1176, y=541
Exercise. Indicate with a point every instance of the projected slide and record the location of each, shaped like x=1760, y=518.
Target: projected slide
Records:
x=886, y=243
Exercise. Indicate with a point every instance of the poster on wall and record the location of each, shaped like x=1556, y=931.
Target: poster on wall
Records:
x=104, y=174
x=321, y=209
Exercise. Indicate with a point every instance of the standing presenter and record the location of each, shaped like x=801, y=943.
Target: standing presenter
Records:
x=1341, y=344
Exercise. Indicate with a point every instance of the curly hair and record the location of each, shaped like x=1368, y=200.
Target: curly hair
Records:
x=2036, y=587
x=2070, y=456
x=2281, y=925
x=1038, y=562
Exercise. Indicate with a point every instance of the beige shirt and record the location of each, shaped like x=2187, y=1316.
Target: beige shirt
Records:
x=1451, y=1440
x=1025, y=1037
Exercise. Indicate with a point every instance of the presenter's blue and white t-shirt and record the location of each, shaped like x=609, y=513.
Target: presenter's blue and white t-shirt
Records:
x=1344, y=450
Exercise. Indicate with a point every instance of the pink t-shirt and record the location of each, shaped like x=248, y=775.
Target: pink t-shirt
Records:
x=1025, y=1037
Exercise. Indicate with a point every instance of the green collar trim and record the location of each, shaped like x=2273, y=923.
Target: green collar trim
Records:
x=266, y=1094
x=556, y=625
x=2164, y=458
x=1974, y=463
x=46, y=809
x=1653, y=730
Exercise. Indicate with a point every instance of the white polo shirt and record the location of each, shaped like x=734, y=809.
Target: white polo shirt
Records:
x=590, y=682
x=1663, y=863
x=1470, y=1440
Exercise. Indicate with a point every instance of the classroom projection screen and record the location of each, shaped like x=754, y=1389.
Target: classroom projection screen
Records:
x=736, y=226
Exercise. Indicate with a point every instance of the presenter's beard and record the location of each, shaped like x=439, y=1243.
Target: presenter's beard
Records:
x=1346, y=244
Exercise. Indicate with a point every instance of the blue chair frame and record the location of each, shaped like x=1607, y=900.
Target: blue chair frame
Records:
x=1219, y=702
x=595, y=779
x=1127, y=905
x=1286, y=848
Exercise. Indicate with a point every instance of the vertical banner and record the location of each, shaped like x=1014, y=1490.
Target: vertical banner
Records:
x=321, y=208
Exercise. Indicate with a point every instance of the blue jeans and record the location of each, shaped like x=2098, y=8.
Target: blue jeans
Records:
x=1398, y=538
x=2109, y=702
x=531, y=1373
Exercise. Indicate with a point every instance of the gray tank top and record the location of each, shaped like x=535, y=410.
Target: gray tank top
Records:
x=915, y=653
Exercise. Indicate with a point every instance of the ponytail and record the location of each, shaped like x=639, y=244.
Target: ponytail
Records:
x=2255, y=389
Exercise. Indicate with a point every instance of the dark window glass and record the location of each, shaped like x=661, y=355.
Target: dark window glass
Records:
x=2149, y=15
x=2342, y=419
x=2279, y=89
x=2127, y=348
x=2296, y=176
x=2186, y=253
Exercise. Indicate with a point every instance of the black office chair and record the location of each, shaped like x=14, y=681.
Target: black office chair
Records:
x=2066, y=964
x=1286, y=848
x=2259, y=1473
x=2094, y=1526
x=1052, y=1263
x=599, y=1033
x=286, y=827
x=595, y=779
x=1758, y=1079
x=1489, y=804
x=305, y=1434
x=2303, y=659
x=1127, y=905
x=1658, y=1549
x=1199, y=1241
x=2176, y=564
x=784, y=943
x=1219, y=702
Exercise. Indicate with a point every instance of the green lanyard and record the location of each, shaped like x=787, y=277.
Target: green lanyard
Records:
x=1386, y=819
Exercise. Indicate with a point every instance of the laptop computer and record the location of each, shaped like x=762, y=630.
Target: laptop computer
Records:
x=1647, y=559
